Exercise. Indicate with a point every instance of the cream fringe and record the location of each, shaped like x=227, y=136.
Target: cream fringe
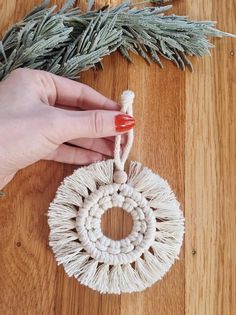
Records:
x=109, y=266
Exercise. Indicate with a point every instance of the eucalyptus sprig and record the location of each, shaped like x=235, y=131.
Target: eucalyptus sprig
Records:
x=69, y=41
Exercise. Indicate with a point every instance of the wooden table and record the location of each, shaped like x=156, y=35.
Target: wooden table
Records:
x=186, y=131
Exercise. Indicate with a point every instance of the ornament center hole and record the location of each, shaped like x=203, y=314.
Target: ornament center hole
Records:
x=116, y=223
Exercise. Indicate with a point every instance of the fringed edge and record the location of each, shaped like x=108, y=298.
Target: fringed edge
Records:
x=148, y=268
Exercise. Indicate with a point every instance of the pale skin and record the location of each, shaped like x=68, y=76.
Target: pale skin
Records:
x=44, y=116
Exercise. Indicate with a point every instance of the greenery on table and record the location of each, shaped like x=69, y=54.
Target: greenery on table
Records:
x=69, y=41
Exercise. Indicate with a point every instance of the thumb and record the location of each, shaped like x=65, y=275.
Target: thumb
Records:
x=92, y=124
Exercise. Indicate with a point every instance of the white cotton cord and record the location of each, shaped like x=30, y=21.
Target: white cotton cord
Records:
x=120, y=158
x=115, y=266
x=141, y=258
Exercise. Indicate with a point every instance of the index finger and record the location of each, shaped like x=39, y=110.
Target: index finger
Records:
x=76, y=94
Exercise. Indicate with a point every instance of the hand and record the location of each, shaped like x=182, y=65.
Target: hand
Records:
x=35, y=124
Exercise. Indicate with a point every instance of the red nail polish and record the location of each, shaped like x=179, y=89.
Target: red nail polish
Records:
x=124, y=122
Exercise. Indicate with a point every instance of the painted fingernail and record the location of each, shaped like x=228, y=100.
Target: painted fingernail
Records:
x=124, y=122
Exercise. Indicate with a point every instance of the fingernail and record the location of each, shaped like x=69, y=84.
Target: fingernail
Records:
x=124, y=122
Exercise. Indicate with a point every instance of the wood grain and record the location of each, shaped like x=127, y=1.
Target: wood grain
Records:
x=210, y=178
x=186, y=131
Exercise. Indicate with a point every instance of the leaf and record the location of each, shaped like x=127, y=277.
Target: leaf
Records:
x=68, y=5
x=90, y=4
x=3, y=52
x=2, y=194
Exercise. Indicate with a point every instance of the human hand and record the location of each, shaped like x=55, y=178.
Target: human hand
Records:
x=40, y=113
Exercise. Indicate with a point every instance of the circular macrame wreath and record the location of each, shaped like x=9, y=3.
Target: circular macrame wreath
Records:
x=116, y=266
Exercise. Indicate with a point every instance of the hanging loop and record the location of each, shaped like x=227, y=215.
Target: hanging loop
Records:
x=120, y=156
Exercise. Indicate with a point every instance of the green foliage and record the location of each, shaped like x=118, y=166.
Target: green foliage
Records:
x=70, y=41
x=2, y=194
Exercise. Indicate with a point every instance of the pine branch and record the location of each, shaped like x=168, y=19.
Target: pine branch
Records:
x=68, y=41
x=2, y=194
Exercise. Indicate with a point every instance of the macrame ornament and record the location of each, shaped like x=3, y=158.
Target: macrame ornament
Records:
x=103, y=264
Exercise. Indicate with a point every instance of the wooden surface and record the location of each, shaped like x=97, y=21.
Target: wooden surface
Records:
x=186, y=131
